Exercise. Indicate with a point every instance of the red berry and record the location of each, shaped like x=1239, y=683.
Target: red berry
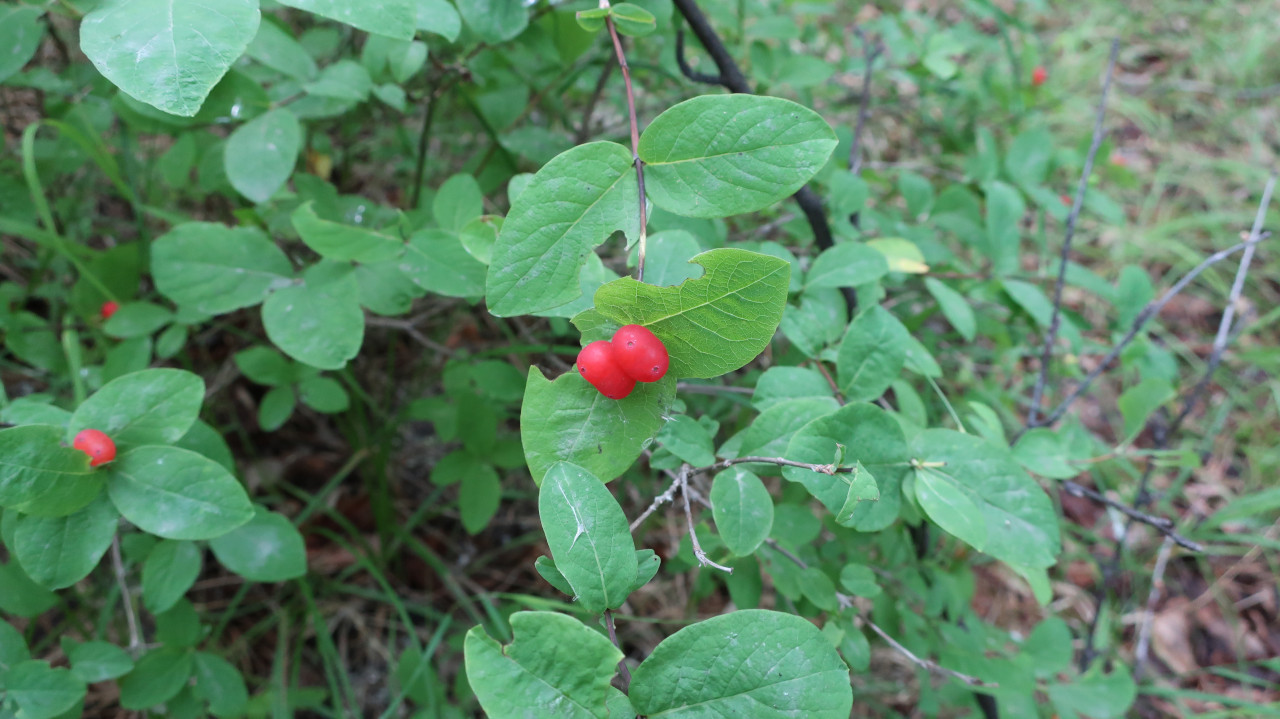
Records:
x=108, y=308
x=1039, y=76
x=1066, y=200
x=640, y=354
x=598, y=365
x=97, y=445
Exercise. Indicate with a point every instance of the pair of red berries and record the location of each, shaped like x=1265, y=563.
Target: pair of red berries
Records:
x=108, y=308
x=614, y=366
x=97, y=445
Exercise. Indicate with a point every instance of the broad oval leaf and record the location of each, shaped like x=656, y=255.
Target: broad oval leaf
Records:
x=40, y=691
x=168, y=53
x=318, y=322
x=743, y=510
x=260, y=155
x=277, y=49
x=954, y=307
x=872, y=354
x=267, y=548
x=221, y=684
x=154, y=406
x=856, y=432
x=57, y=552
x=572, y=205
x=170, y=570
x=156, y=678
x=569, y=420
x=721, y=155
x=177, y=494
x=714, y=324
x=495, y=21
x=20, y=34
x=554, y=668
x=97, y=661
x=38, y=470
x=847, y=264
x=1021, y=524
x=393, y=18
x=436, y=261
x=752, y=663
x=336, y=241
x=588, y=536
x=215, y=269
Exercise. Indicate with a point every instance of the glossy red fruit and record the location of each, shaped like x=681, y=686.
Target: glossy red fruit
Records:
x=1039, y=76
x=108, y=308
x=640, y=354
x=97, y=445
x=598, y=365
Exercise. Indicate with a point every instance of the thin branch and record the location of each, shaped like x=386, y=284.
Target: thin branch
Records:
x=820, y=468
x=686, y=69
x=585, y=131
x=683, y=480
x=1151, y=310
x=623, y=669
x=692, y=388
x=1055, y=321
x=1157, y=587
x=869, y=53
x=1229, y=313
x=1163, y=525
x=658, y=501
x=424, y=139
x=130, y=613
x=635, y=136
x=408, y=328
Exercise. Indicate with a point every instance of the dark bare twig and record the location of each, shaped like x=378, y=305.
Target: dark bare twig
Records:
x=424, y=139
x=1152, y=309
x=1163, y=525
x=820, y=468
x=623, y=670
x=683, y=63
x=869, y=53
x=1144, y=631
x=1055, y=321
x=585, y=131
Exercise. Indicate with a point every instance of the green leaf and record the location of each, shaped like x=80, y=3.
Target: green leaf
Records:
x=818, y=588
x=860, y=433
x=393, y=18
x=177, y=494
x=872, y=354
x=278, y=50
x=478, y=498
x=439, y=17
x=479, y=235
x=569, y=420
x=954, y=307
x=385, y=289
x=721, y=155
x=1096, y=695
x=324, y=394
x=1139, y=401
x=37, y=470
x=154, y=406
x=457, y=202
x=952, y=506
x=647, y=564
x=752, y=663
x=1005, y=208
x=686, y=438
x=261, y=153
x=592, y=20
x=336, y=241
x=633, y=20
x=21, y=596
x=158, y=676
x=318, y=322
x=276, y=407
x=13, y=649
x=714, y=324
x=572, y=205
x=166, y=53
x=1028, y=158
x=770, y=432
x=264, y=365
x=42, y=692
x=220, y=684
x=859, y=579
x=743, y=510
x=345, y=81
x=819, y=321
x=669, y=254
x=918, y=192
x=1044, y=451
x=268, y=548
x=780, y=384
x=554, y=668
x=20, y=34
x=494, y=21
x=588, y=536
x=1021, y=524
x=170, y=570
x=862, y=488
x=215, y=269
x=848, y=264
x=1049, y=649
x=57, y=552
x=436, y=261
x=137, y=319
x=97, y=661
x=546, y=568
